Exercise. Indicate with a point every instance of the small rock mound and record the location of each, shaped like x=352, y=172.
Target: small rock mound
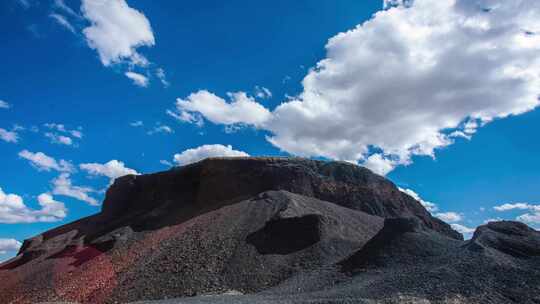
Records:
x=401, y=241
x=512, y=238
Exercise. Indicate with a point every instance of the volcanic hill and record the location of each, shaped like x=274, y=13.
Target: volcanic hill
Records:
x=270, y=230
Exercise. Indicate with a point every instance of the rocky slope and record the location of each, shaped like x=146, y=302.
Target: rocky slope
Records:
x=280, y=230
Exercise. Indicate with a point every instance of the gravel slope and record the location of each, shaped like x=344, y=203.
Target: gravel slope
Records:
x=270, y=230
x=404, y=263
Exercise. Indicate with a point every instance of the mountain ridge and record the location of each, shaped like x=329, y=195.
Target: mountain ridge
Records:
x=269, y=228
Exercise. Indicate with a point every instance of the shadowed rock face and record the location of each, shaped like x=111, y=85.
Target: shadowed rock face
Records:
x=513, y=238
x=285, y=236
x=212, y=183
x=279, y=226
x=501, y=264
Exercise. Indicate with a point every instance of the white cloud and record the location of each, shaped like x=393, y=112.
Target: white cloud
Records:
x=13, y=210
x=194, y=155
x=52, y=210
x=4, y=105
x=450, y=217
x=379, y=164
x=61, y=134
x=518, y=206
x=262, y=92
x=159, y=128
x=166, y=163
x=63, y=186
x=62, y=129
x=242, y=109
x=9, y=136
x=431, y=207
x=533, y=216
x=160, y=74
x=136, y=124
x=184, y=116
x=403, y=81
x=76, y=133
x=138, y=79
x=112, y=169
x=463, y=229
x=63, y=22
x=43, y=162
x=59, y=139
x=116, y=31
x=392, y=3
x=55, y=126
x=7, y=245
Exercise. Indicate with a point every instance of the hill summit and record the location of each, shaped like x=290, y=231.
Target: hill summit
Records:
x=271, y=230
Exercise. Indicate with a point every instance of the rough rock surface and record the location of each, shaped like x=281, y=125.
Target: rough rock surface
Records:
x=406, y=263
x=216, y=182
x=270, y=230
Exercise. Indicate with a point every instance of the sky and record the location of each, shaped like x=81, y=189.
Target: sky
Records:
x=439, y=96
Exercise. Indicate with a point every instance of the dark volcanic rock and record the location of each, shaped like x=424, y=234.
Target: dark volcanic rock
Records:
x=290, y=230
x=287, y=235
x=513, y=238
x=215, y=182
x=406, y=263
x=210, y=253
x=401, y=241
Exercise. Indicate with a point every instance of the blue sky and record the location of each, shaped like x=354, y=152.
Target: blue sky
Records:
x=463, y=139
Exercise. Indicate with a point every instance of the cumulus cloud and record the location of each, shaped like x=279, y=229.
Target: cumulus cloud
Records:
x=533, y=215
x=403, y=82
x=4, y=105
x=194, y=155
x=450, y=217
x=379, y=164
x=138, y=79
x=62, y=129
x=62, y=135
x=43, y=162
x=116, y=31
x=463, y=229
x=62, y=185
x=59, y=139
x=531, y=218
x=112, y=169
x=431, y=207
x=9, y=136
x=63, y=22
x=518, y=206
x=13, y=210
x=7, y=245
x=241, y=110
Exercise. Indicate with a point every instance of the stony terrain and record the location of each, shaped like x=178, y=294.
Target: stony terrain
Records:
x=270, y=230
